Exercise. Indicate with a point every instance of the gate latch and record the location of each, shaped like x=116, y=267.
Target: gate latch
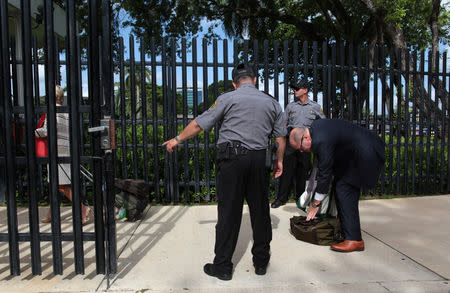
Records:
x=107, y=133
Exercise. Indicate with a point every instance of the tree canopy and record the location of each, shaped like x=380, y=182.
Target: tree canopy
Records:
x=359, y=21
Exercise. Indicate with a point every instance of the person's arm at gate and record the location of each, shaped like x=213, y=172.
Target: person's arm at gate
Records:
x=191, y=130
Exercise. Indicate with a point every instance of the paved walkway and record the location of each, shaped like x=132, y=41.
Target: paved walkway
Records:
x=407, y=250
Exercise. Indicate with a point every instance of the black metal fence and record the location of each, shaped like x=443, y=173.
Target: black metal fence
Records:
x=30, y=68
x=403, y=96
x=157, y=89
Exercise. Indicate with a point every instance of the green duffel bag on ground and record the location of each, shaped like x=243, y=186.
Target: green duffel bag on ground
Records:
x=320, y=231
x=130, y=205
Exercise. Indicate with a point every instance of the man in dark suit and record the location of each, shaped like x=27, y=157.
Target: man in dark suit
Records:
x=355, y=157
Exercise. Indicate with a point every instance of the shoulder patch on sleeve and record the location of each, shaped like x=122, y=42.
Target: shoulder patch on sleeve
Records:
x=214, y=105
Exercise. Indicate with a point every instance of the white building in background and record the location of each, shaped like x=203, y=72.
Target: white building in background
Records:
x=190, y=97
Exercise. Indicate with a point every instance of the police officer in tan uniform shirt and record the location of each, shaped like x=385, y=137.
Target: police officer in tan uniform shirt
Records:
x=299, y=113
x=248, y=117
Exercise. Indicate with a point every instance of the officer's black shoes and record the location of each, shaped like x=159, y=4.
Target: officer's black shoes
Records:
x=277, y=203
x=261, y=270
x=210, y=270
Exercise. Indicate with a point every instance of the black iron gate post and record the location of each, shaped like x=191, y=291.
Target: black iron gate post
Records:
x=17, y=99
x=107, y=63
x=5, y=102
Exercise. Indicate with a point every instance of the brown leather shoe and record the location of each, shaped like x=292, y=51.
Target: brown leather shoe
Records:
x=348, y=246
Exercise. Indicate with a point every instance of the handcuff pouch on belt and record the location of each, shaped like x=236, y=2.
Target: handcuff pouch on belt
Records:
x=230, y=150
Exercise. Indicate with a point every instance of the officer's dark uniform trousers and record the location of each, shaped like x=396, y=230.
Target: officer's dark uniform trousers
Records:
x=296, y=166
x=242, y=177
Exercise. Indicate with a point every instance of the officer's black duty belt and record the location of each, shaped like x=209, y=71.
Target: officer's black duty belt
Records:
x=229, y=150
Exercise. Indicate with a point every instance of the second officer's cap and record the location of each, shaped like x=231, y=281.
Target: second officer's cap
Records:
x=301, y=84
x=242, y=70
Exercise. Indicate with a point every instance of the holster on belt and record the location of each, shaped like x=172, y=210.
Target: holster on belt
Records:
x=230, y=150
x=271, y=154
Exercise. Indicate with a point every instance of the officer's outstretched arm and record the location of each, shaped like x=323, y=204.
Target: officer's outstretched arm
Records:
x=278, y=166
x=192, y=129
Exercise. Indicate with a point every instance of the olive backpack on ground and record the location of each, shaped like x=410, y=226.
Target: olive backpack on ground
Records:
x=320, y=231
x=132, y=197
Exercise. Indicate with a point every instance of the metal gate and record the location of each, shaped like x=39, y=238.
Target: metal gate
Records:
x=32, y=50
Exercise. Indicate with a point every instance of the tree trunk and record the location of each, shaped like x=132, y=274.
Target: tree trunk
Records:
x=399, y=43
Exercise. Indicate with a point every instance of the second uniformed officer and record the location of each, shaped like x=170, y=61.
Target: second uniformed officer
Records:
x=248, y=117
x=299, y=113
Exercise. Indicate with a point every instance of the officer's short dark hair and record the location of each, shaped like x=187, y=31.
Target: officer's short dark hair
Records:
x=301, y=84
x=241, y=71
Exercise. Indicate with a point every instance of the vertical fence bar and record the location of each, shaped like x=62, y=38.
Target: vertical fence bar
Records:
x=95, y=116
x=123, y=114
x=376, y=125
x=428, y=113
x=435, y=76
x=225, y=65
x=367, y=75
x=350, y=82
x=333, y=83
x=167, y=186
x=143, y=99
x=206, y=106
x=275, y=70
x=256, y=61
x=414, y=118
x=39, y=110
x=375, y=88
x=36, y=255
x=444, y=106
x=399, y=122
x=266, y=66
x=215, y=87
x=155, y=122
x=173, y=56
x=295, y=61
x=52, y=142
x=407, y=124
x=421, y=113
x=36, y=75
x=27, y=66
x=342, y=79
x=391, y=111
x=14, y=260
x=286, y=71
x=74, y=98
x=132, y=77
x=195, y=93
x=361, y=81
x=315, y=72
x=305, y=59
x=383, y=110
x=187, y=196
x=448, y=135
x=325, y=80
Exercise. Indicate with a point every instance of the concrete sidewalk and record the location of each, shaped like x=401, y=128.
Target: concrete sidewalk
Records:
x=407, y=250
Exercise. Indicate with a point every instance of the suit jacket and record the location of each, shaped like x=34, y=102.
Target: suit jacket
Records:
x=346, y=151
